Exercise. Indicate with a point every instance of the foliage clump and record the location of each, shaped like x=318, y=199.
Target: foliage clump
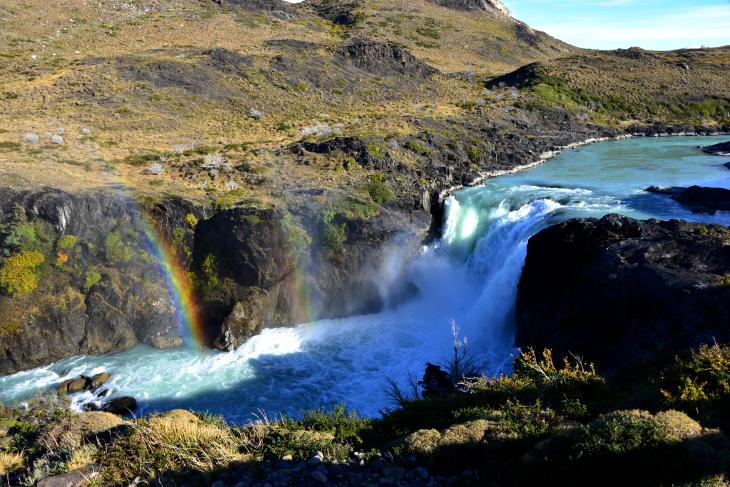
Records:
x=172, y=443
x=379, y=191
x=418, y=147
x=66, y=242
x=334, y=231
x=191, y=220
x=334, y=433
x=91, y=280
x=20, y=273
x=700, y=384
x=115, y=249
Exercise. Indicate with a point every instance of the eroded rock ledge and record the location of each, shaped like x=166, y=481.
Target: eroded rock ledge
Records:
x=618, y=290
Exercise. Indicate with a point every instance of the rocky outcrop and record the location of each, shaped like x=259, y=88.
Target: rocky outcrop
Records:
x=83, y=383
x=120, y=405
x=722, y=149
x=337, y=11
x=697, y=198
x=97, y=289
x=384, y=59
x=488, y=5
x=617, y=290
x=259, y=268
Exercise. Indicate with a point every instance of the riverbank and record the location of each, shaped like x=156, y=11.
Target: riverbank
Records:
x=563, y=422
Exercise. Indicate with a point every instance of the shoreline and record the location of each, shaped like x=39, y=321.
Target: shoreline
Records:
x=546, y=156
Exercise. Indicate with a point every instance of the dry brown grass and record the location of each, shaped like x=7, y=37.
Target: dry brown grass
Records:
x=10, y=462
x=51, y=78
x=173, y=442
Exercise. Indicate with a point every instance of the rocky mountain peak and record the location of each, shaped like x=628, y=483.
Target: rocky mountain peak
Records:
x=489, y=5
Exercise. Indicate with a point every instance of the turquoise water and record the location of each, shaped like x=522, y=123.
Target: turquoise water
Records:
x=470, y=276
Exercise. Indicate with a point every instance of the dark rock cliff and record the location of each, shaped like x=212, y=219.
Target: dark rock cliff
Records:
x=617, y=290
x=97, y=289
x=269, y=271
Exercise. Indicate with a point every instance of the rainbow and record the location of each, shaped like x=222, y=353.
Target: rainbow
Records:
x=177, y=279
x=178, y=284
x=180, y=287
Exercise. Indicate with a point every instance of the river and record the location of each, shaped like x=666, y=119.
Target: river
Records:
x=470, y=275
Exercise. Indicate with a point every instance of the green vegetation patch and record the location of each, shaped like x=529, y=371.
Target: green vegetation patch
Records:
x=115, y=249
x=92, y=279
x=379, y=191
x=66, y=242
x=418, y=147
x=334, y=231
x=19, y=273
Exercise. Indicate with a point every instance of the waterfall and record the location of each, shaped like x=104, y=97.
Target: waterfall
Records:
x=470, y=275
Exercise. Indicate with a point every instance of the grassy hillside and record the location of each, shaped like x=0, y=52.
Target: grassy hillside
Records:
x=143, y=92
x=151, y=79
x=633, y=86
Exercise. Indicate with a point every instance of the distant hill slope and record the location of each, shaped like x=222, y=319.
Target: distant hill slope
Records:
x=148, y=76
x=632, y=85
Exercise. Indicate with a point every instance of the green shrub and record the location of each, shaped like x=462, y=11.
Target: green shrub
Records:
x=209, y=269
x=191, y=220
x=375, y=150
x=297, y=238
x=66, y=242
x=19, y=273
x=379, y=190
x=334, y=234
x=333, y=433
x=115, y=250
x=475, y=154
x=700, y=384
x=418, y=147
x=428, y=32
x=178, y=235
x=21, y=234
x=662, y=449
x=91, y=280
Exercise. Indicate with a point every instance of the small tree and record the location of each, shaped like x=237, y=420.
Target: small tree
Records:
x=463, y=364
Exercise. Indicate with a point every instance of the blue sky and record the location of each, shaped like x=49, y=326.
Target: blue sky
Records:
x=611, y=24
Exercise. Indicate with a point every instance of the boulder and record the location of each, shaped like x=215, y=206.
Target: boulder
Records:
x=120, y=405
x=76, y=478
x=721, y=149
x=617, y=291
x=70, y=433
x=165, y=342
x=697, y=198
x=98, y=380
x=72, y=386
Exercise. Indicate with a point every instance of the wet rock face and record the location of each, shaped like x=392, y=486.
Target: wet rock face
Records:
x=697, y=198
x=98, y=289
x=722, y=149
x=618, y=291
x=266, y=276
